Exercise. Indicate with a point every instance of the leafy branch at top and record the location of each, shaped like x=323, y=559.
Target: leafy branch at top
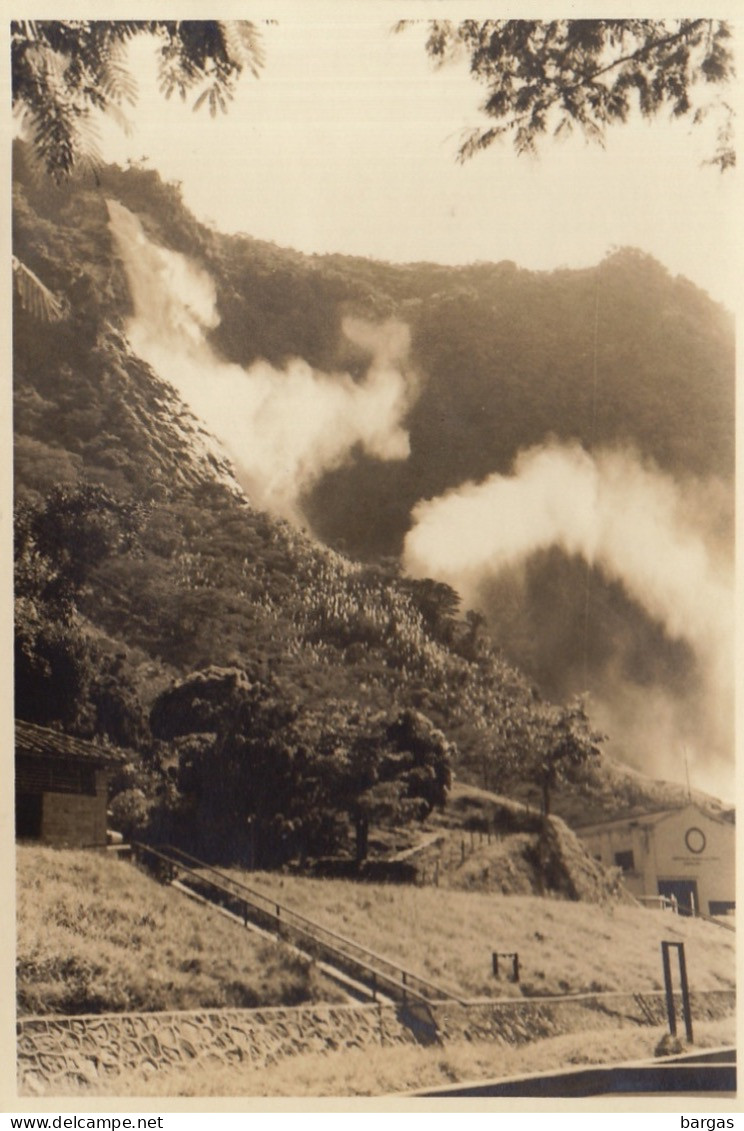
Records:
x=62, y=70
x=549, y=76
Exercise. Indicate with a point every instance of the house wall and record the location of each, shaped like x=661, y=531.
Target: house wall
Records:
x=663, y=851
x=712, y=867
x=73, y=797
x=606, y=843
x=72, y=819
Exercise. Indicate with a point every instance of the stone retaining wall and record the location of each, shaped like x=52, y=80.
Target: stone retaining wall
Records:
x=54, y=1052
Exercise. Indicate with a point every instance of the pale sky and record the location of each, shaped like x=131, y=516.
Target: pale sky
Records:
x=347, y=143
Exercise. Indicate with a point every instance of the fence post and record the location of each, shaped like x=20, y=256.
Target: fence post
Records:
x=462, y=851
x=515, y=961
x=495, y=963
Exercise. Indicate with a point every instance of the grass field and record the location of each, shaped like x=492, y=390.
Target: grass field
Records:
x=448, y=936
x=96, y=935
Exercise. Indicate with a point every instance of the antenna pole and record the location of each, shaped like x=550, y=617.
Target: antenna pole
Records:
x=589, y=564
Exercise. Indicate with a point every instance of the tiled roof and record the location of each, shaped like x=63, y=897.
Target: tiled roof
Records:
x=33, y=739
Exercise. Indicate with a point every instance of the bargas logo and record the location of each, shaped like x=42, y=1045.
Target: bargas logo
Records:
x=708, y=1121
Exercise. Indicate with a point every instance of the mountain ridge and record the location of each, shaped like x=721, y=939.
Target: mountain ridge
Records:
x=382, y=640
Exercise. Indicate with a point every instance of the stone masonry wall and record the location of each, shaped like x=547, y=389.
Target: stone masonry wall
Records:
x=54, y=1052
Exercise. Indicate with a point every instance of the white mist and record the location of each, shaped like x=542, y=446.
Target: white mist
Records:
x=282, y=428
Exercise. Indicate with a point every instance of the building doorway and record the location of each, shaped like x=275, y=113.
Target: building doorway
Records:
x=684, y=891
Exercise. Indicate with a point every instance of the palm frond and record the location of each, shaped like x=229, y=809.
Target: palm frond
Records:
x=243, y=43
x=35, y=297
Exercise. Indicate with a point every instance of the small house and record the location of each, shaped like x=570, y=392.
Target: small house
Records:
x=685, y=853
x=61, y=788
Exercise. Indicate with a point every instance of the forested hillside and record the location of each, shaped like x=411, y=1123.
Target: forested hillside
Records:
x=140, y=561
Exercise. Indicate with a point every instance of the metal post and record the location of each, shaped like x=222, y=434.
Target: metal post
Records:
x=515, y=960
x=668, y=987
x=685, y=991
x=495, y=963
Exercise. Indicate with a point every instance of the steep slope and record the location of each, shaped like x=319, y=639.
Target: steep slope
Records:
x=208, y=579
x=212, y=579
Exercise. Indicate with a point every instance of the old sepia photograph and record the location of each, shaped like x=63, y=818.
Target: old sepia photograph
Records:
x=373, y=544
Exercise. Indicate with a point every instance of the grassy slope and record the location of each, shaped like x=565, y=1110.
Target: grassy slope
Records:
x=448, y=936
x=97, y=935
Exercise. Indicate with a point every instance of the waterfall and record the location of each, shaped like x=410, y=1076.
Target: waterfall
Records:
x=282, y=428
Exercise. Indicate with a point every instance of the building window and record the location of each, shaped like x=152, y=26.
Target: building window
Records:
x=625, y=860
x=721, y=906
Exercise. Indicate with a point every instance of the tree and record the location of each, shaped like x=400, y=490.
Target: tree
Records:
x=266, y=776
x=562, y=742
x=64, y=70
x=77, y=527
x=398, y=770
x=438, y=604
x=551, y=75
x=56, y=545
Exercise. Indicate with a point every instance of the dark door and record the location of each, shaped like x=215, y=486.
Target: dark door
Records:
x=28, y=815
x=685, y=892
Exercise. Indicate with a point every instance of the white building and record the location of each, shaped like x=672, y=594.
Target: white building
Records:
x=685, y=853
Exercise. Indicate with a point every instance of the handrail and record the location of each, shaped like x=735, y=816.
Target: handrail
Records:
x=402, y=980
x=312, y=924
x=309, y=929
x=716, y=922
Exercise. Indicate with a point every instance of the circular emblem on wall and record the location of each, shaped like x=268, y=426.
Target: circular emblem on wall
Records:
x=695, y=839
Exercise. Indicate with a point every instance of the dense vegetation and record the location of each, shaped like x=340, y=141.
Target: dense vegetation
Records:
x=140, y=562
